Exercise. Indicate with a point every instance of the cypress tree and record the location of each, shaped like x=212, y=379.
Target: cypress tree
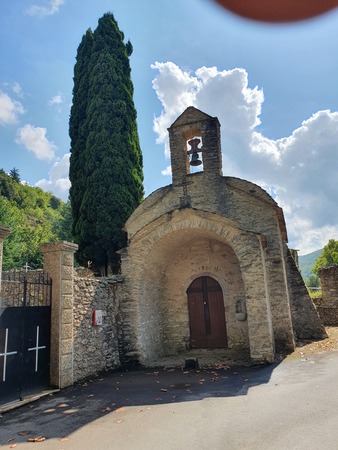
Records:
x=77, y=131
x=106, y=160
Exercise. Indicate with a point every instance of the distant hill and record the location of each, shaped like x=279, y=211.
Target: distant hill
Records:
x=306, y=262
x=34, y=216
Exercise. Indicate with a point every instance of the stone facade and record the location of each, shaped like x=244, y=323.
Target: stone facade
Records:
x=205, y=224
x=95, y=346
x=327, y=306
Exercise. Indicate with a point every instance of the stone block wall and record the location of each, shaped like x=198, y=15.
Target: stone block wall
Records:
x=327, y=306
x=95, y=346
x=305, y=320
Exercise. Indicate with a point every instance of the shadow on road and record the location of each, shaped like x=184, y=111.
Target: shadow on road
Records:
x=61, y=414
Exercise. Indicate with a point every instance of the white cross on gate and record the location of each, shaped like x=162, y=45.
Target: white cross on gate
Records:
x=5, y=354
x=37, y=348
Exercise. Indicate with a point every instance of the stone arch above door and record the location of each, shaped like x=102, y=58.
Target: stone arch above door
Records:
x=158, y=271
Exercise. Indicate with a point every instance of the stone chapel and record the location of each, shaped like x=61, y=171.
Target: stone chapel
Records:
x=207, y=264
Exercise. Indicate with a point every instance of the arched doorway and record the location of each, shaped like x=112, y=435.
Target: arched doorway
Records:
x=206, y=314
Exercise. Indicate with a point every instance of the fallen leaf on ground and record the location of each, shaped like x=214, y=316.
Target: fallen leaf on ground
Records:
x=36, y=439
x=105, y=409
x=64, y=439
x=163, y=390
x=24, y=433
x=13, y=445
x=119, y=421
x=10, y=440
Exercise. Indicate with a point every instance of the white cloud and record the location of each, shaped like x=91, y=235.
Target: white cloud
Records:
x=58, y=182
x=10, y=109
x=34, y=139
x=17, y=89
x=166, y=171
x=51, y=8
x=56, y=100
x=299, y=170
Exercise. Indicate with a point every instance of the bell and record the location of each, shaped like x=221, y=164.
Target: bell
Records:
x=195, y=161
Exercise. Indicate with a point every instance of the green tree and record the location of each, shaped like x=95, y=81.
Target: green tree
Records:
x=34, y=217
x=77, y=130
x=106, y=160
x=328, y=257
x=312, y=280
x=14, y=174
x=62, y=225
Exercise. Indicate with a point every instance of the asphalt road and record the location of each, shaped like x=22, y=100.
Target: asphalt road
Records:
x=291, y=405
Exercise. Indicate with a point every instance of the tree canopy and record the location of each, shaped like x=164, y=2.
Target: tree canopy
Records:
x=34, y=217
x=328, y=257
x=106, y=161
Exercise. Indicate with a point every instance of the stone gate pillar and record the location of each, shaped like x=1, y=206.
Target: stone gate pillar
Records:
x=4, y=232
x=59, y=263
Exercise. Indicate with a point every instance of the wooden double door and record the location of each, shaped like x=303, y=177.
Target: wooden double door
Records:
x=206, y=314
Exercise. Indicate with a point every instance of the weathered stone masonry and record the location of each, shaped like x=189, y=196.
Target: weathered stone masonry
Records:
x=327, y=306
x=95, y=347
x=205, y=224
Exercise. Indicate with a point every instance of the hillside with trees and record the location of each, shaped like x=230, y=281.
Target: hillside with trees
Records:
x=306, y=263
x=34, y=216
x=106, y=169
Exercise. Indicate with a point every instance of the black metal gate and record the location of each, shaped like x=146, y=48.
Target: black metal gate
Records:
x=25, y=315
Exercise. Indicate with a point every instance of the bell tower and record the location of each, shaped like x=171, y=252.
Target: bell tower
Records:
x=195, y=139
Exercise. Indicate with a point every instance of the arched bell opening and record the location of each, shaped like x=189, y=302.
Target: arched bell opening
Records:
x=195, y=154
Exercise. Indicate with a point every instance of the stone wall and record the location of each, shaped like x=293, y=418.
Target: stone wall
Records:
x=95, y=346
x=327, y=306
x=305, y=320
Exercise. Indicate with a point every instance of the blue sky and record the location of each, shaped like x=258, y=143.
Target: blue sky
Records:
x=273, y=88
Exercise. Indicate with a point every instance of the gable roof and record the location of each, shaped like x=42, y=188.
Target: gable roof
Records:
x=190, y=115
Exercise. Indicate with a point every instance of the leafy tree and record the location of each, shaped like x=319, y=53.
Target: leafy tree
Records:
x=34, y=217
x=106, y=160
x=328, y=257
x=62, y=225
x=312, y=280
